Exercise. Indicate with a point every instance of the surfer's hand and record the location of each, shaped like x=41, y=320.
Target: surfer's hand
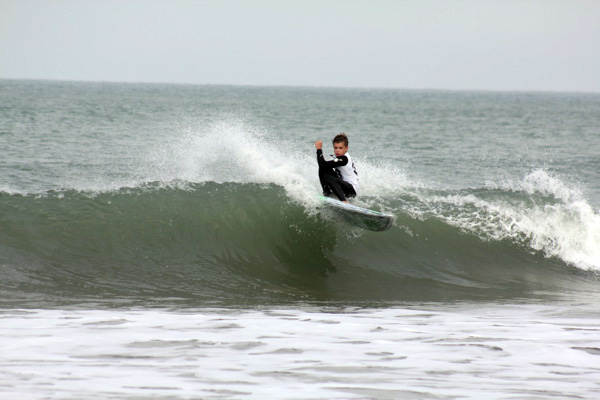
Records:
x=318, y=144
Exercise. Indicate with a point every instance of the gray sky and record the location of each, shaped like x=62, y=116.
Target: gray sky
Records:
x=548, y=45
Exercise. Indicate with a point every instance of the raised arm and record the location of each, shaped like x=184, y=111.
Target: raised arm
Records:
x=336, y=162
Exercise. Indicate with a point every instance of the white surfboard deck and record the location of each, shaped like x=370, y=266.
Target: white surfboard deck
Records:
x=359, y=216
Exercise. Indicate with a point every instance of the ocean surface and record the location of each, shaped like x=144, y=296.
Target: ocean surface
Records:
x=166, y=242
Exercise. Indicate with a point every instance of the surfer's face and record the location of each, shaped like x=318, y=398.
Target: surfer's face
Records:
x=339, y=149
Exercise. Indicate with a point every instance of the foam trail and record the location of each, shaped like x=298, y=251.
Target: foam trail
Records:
x=232, y=150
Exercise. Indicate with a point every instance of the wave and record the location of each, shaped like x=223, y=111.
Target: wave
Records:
x=230, y=214
x=249, y=242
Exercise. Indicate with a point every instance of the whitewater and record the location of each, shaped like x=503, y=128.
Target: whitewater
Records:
x=180, y=224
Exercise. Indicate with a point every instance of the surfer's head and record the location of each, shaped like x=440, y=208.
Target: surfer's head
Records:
x=340, y=144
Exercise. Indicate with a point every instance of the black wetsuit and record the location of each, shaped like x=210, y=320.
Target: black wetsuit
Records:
x=331, y=180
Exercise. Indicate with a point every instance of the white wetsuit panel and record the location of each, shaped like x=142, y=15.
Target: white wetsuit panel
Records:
x=348, y=173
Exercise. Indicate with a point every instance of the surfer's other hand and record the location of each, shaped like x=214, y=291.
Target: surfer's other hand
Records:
x=318, y=144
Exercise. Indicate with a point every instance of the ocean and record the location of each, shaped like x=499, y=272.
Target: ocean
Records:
x=167, y=242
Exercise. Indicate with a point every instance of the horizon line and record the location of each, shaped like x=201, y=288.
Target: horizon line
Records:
x=433, y=89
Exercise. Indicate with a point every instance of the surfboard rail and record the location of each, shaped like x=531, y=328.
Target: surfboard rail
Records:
x=359, y=216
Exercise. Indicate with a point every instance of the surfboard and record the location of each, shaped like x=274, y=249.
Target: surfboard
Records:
x=359, y=216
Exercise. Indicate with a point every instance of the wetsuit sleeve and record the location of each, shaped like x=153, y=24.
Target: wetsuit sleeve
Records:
x=341, y=160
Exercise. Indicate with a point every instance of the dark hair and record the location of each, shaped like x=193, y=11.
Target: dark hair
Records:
x=341, y=138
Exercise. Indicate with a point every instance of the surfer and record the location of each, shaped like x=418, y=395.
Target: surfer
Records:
x=338, y=176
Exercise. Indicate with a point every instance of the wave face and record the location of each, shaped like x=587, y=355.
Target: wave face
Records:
x=235, y=243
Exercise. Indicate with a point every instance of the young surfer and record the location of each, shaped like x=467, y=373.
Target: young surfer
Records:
x=338, y=176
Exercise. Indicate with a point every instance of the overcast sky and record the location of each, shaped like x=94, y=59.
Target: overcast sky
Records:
x=549, y=45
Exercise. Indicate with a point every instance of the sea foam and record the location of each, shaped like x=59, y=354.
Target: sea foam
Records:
x=540, y=211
